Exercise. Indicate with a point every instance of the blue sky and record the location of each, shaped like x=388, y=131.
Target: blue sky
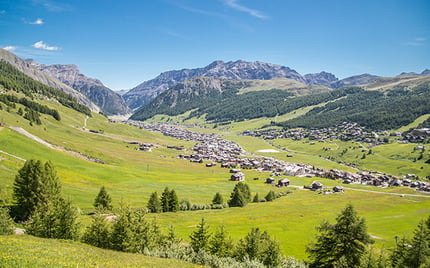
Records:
x=124, y=43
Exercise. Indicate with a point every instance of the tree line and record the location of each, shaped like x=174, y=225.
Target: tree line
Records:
x=39, y=205
x=32, y=108
x=13, y=79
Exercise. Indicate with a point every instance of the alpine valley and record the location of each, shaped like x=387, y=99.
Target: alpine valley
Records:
x=235, y=164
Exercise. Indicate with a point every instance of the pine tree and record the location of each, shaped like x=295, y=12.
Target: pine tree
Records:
x=173, y=201
x=171, y=237
x=103, y=201
x=97, y=234
x=200, y=237
x=345, y=241
x=121, y=230
x=154, y=204
x=256, y=198
x=35, y=183
x=237, y=199
x=220, y=244
x=54, y=219
x=418, y=254
x=250, y=245
x=270, y=196
x=217, y=200
x=165, y=198
x=6, y=222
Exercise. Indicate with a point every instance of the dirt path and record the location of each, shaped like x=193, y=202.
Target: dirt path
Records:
x=49, y=145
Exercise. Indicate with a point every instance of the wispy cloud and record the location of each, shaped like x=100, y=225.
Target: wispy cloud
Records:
x=10, y=48
x=54, y=6
x=417, y=42
x=44, y=46
x=235, y=5
x=2, y=12
x=196, y=10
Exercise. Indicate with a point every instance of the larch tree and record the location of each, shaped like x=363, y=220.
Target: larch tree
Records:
x=200, y=237
x=35, y=183
x=103, y=201
x=154, y=204
x=343, y=243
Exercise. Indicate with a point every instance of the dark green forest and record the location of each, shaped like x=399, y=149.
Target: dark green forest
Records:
x=371, y=109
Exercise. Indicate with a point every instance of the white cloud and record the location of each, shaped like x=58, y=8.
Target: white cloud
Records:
x=42, y=45
x=2, y=12
x=10, y=48
x=235, y=5
x=39, y=21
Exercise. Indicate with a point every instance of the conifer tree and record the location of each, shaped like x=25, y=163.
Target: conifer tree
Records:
x=35, y=183
x=165, y=198
x=256, y=198
x=270, y=196
x=237, y=199
x=200, y=237
x=54, y=219
x=342, y=243
x=97, y=234
x=220, y=244
x=121, y=230
x=217, y=200
x=154, y=204
x=173, y=201
x=103, y=201
x=418, y=254
x=6, y=222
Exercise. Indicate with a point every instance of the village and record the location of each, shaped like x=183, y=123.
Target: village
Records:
x=211, y=150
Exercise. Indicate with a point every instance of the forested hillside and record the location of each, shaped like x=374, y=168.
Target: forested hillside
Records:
x=371, y=109
x=13, y=80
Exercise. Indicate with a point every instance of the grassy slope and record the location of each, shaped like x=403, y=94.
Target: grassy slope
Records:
x=28, y=251
x=131, y=176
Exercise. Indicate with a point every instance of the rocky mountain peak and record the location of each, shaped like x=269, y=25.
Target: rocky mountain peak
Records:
x=110, y=102
x=322, y=78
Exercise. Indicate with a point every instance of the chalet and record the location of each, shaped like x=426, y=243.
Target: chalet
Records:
x=234, y=170
x=239, y=176
x=338, y=189
x=283, y=182
x=270, y=180
x=316, y=185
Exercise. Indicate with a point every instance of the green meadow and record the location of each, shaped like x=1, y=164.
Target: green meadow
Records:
x=29, y=251
x=130, y=176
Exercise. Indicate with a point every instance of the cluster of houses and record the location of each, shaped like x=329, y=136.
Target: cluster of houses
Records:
x=344, y=131
x=213, y=149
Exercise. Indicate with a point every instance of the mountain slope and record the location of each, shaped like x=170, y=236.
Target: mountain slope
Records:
x=148, y=90
x=45, y=79
x=227, y=99
x=110, y=102
x=355, y=80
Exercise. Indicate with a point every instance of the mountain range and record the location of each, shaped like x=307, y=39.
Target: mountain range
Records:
x=29, y=70
x=255, y=75
x=110, y=102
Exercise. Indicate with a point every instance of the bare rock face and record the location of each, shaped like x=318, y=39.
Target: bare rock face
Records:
x=111, y=103
x=29, y=67
x=146, y=91
x=355, y=80
x=322, y=79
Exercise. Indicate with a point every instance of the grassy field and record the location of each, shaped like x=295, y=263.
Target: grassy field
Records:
x=394, y=158
x=130, y=176
x=27, y=251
